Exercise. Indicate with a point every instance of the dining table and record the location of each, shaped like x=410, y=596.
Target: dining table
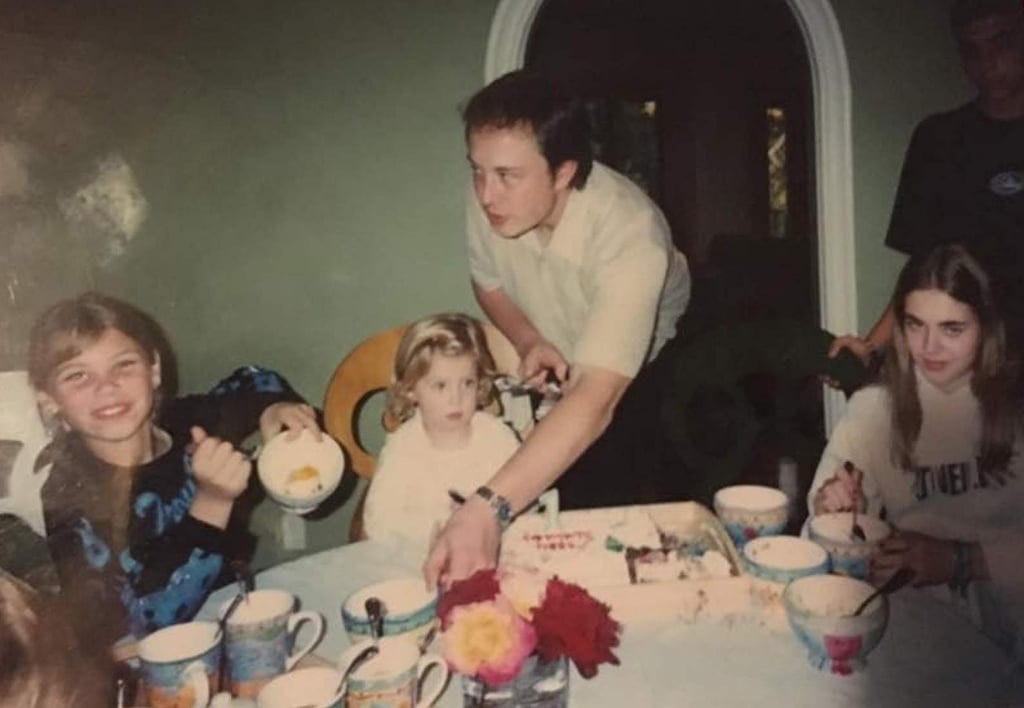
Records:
x=929, y=656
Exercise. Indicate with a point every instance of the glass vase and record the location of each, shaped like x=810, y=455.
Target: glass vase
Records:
x=539, y=684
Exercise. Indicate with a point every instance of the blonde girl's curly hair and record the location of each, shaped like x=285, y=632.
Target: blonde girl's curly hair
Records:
x=448, y=334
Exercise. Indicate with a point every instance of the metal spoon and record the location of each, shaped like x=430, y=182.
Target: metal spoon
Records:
x=897, y=580
x=375, y=614
x=367, y=653
x=857, y=532
x=221, y=626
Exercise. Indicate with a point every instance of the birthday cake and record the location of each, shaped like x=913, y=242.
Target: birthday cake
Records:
x=621, y=546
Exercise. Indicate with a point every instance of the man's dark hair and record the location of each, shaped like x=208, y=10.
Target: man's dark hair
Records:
x=964, y=12
x=557, y=119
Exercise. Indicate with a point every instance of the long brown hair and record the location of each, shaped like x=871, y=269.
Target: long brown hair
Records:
x=953, y=270
x=42, y=663
x=449, y=334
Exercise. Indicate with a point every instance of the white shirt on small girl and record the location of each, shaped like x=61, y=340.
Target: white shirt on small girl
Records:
x=408, y=501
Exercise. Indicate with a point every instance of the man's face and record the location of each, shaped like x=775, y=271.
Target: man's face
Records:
x=513, y=182
x=992, y=49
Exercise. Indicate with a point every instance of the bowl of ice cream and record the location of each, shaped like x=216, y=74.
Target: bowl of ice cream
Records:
x=748, y=511
x=407, y=607
x=849, y=554
x=820, y=611
x=300, y=472
x=780, y=559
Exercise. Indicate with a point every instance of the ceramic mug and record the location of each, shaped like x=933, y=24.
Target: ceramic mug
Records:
x=179, y=664
x=260, y=639
x=392, y=678
x=315, y=686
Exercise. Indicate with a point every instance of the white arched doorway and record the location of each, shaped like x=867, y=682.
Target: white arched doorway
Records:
x=830, y=75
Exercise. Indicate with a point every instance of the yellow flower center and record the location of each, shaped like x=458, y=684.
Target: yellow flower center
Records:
x=482, y=634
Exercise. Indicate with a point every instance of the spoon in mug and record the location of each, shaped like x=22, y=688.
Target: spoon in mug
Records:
x=857, y=532
x=367, y=653
x=221, y=626
x=375, y=615
x=897, y=580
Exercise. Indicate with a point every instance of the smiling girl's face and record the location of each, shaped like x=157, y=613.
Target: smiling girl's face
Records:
x=106, y=391
x=942, y=335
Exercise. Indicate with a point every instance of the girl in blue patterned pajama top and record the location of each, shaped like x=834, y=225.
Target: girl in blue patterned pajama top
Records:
x=146, y=500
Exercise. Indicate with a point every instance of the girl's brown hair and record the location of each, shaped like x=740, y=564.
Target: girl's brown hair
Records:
x=63, y=331
x=951, y=269
x=43, y=663
x=449, y=334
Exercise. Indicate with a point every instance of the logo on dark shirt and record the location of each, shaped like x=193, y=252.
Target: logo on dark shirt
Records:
x=1008, y=183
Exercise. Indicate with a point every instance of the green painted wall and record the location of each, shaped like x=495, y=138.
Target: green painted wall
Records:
x=903, y=66
x=311, y=193
x=303, y=164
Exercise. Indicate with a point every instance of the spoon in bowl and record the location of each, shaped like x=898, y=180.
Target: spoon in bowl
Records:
x=857, y=532
x=897, y=580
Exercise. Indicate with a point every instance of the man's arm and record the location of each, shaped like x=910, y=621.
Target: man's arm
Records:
x=571, y=426
x=536, y=354
x=878, y=337
x=507, y=317
x=470, y=539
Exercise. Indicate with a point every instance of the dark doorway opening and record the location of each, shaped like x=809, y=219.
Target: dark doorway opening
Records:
x=708, y=105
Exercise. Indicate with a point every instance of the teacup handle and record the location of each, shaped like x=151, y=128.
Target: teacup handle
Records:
x=293, y=624
x=345, y=663
x=195, y=674
x=425, y=662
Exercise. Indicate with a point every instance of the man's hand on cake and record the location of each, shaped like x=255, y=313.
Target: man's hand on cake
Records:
x=467, y=543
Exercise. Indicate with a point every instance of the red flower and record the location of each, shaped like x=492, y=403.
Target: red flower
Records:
x=749, y=533
x=570, y=622
x=481, y=586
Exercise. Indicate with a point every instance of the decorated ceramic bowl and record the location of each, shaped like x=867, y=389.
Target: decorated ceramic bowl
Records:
x=820, y=611
x=408, y=609
x=781, y=559
x=749, y=511
x=849, y=554
x=299, y=474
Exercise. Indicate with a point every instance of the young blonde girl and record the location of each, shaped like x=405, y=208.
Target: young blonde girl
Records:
x=443, y=376
x=141, y=502
x=936, y=445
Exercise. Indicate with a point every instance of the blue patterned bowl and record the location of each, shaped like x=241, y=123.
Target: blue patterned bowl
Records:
x=820, y=607
x=781, y=559
x=750, y=511
x=834, y=532
x=409, y=609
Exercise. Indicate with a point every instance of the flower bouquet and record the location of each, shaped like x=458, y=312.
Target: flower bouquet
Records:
x=511, y=638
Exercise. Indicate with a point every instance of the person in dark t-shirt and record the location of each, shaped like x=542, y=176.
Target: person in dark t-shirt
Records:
x=963, y=176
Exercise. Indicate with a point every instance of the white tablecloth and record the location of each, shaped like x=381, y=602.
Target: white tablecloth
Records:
x=929, y=656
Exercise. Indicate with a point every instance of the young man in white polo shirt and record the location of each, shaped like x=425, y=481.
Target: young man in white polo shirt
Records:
x=575, y=264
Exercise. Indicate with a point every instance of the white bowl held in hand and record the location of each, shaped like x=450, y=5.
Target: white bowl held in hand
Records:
x=299, y=474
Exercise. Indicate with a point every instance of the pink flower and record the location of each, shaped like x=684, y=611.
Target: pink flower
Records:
x=488, y=640
x=480, y=586
x=490, y=626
